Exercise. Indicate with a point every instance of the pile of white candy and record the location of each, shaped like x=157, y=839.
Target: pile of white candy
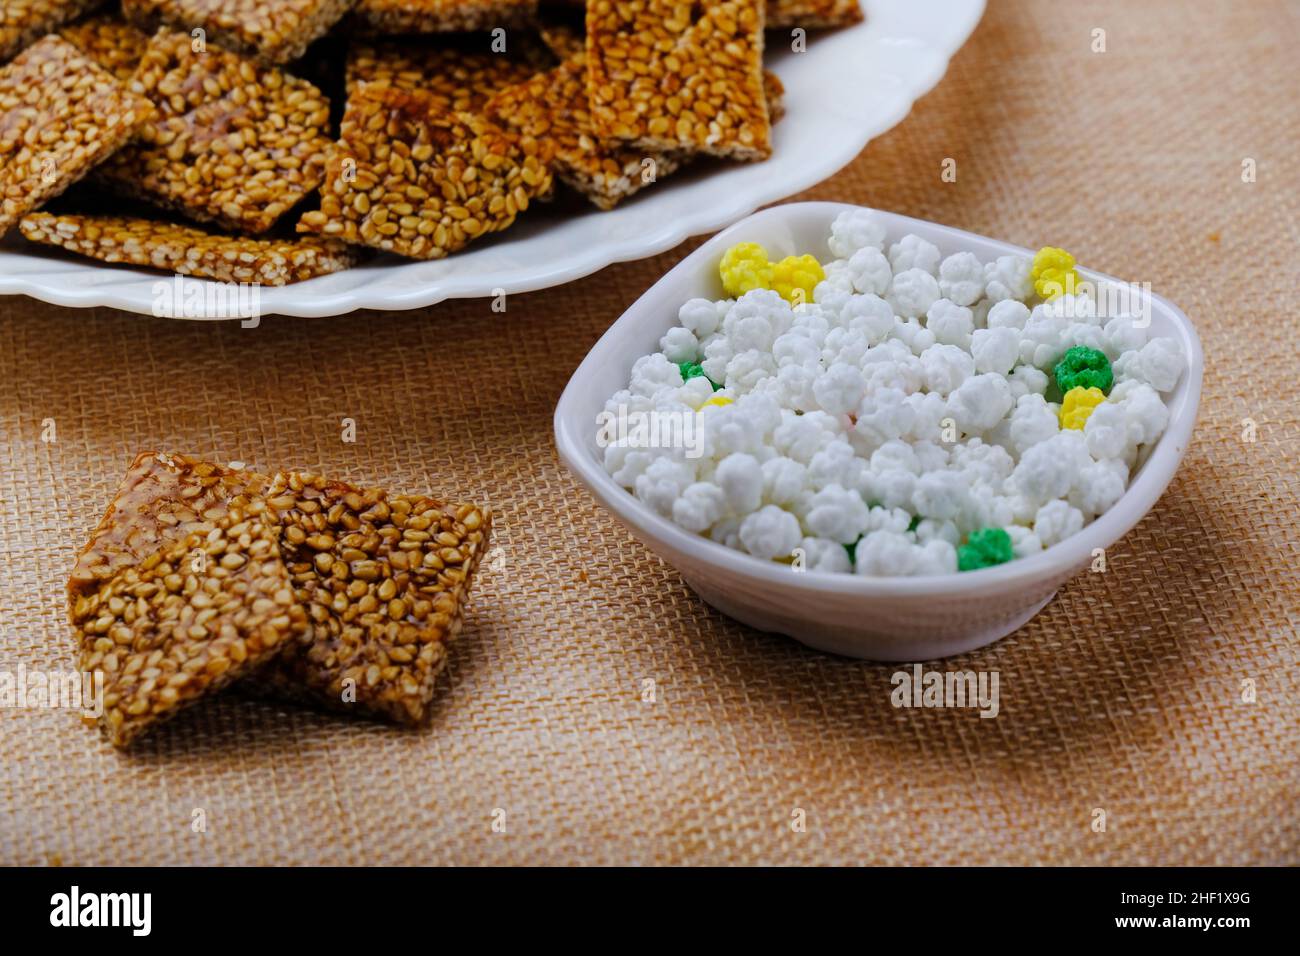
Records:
x=902, y=409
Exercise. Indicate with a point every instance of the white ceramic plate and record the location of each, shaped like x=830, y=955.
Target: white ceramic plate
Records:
x=886, y=619
x=849, y=86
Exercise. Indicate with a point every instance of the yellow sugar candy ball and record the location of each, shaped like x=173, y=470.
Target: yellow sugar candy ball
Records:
x=1078, y=405
x=744, y=267
x=795, y=277
x=718, y=400
x=1053, y=272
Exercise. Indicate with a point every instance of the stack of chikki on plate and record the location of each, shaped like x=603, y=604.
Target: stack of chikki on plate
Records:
x=199, y=576
x=450, y=119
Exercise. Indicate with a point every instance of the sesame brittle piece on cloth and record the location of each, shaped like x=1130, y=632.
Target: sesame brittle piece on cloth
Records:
x=269, y=31
x=24, y=21
x=411, y=178
x=60, y=115
x=385, y=579
x=190, y=251
x=188, y=620
x=235, y=143
x=160, y=500
x=440, y=16
x=458, y=72
x=110, y=41
x=553, y=107
x=783, y=14
x=666, y=75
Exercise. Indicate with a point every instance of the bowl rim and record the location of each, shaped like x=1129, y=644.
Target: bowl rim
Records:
x=1059, y=560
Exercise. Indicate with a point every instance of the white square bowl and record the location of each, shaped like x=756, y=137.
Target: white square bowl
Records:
x=878, y=618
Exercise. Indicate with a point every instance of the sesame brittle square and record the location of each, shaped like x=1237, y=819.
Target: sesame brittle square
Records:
x=188, y=620
x=782, y=14
x=186, y=250
x=60, y=115
x=269, y=31
x=110, y=41
x=411, y=178
x=457, y=72
x=235, y=143
x=668, y=75
x=440, y=16
x=24, y=21
x=385, y=580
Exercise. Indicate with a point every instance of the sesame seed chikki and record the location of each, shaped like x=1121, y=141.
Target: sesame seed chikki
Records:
x=24, y=21
x=457, y=71
x=553, y=107
x=269, y=31
x=440, y=16
x=236, y=143
x=782, y=14
x=111, y=42
x=378, y=583
x=668, y=75
x=410, y=178
x=186, y=621
x=385, y=581
x=60, y=115
x=189, y=251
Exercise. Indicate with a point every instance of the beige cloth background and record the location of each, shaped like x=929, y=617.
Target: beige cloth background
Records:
x=1124, y=694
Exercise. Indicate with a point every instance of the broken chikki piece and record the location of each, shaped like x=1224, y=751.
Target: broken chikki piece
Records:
x=410, y=178
x=552, y=106
x=269, y=31
x=186, y=621
x=458, y=72
x=60, y=115
x=440, y=16
x=24, y=21
x=782, y=14
x=110, y=41
x=666, y=75
x=384, y=580
x=189, y=251
x=235, y=143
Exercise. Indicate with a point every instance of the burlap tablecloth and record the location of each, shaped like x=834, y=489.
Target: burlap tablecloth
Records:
x=1124, y=695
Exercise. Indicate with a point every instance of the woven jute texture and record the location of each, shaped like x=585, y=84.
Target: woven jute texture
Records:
x=1125, y=695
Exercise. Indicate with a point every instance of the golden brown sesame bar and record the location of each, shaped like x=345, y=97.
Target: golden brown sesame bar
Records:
x=457, y=71
x=161, y=499
x=24, y=21
x=440, y=16
x=666, y=75
x=269, y=31
x=419, y=181
x=235, y=143
x=189, y=251
x=110, y=41
x=186, y=621
x=782, y=14
x=385, y=580
x=60, y=115
x=553, y=106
